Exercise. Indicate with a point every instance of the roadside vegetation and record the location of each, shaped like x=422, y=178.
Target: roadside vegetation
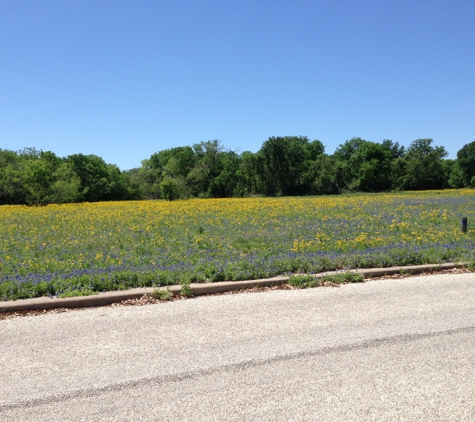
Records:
x=304, y=281
x=85, y=248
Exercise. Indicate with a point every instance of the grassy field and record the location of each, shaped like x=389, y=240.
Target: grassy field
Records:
x=84, y=248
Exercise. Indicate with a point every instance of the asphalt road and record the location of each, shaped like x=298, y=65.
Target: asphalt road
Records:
x=388, y=350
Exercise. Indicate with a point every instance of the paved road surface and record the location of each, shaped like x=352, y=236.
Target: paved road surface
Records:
x=380, y=351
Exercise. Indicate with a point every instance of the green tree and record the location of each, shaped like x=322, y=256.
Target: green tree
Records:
x=135, y=183
x=225, y=182
x=168, y=170
x=146, y=180
x=363, y=165
x=170, y=189
x=324, y=175
x=11, y=182
x=37, y=179
x=396, y=150
x=66, y=185
x=466, y=165
x=284, y=163
x=93, y=174
x=38, y=176
x=117, y=185
x=216, y=171
x=423, y=166
x=248, y=181
x=173, y=162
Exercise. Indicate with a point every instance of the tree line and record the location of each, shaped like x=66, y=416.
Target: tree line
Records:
x=289, y=165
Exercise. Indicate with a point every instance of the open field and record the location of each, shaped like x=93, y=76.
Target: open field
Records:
x=84, y=248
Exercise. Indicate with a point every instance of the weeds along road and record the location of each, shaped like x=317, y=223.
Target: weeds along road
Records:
x=382, y=350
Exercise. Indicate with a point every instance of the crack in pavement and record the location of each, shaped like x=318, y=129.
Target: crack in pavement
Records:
x=161, y=379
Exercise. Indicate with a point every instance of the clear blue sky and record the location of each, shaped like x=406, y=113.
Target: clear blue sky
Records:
x=124, y=79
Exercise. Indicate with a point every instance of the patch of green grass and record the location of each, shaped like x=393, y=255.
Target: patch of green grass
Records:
x=305, y=281
x=186, y=288
x=247, y=244
x=77, y=293
x=342, y=278
x=162, y=294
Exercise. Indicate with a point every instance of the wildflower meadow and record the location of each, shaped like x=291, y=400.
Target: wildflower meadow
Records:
x=76, y=249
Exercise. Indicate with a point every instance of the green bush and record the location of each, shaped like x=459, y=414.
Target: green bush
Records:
x=341, y=278
x=162, y=294
x=303, y=281
x=77, y=293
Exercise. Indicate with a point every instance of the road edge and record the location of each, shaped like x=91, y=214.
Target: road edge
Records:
x=201, y=289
